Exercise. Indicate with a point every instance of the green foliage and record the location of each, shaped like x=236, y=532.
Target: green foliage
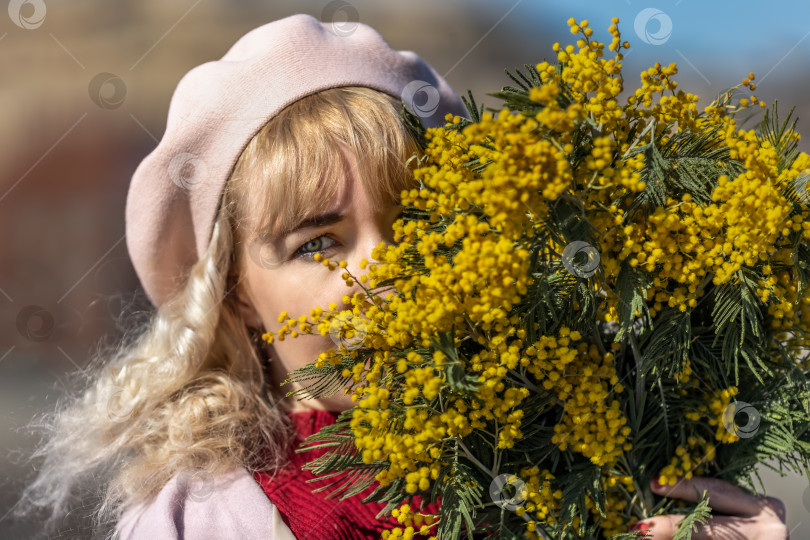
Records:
x=461, y=495
x=689, y=524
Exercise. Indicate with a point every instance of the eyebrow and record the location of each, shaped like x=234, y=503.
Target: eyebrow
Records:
x=315, y=221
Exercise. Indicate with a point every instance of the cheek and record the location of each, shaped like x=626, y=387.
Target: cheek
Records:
x=296, y=289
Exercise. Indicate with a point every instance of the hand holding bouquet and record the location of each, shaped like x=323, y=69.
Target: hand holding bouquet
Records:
x=585, y=294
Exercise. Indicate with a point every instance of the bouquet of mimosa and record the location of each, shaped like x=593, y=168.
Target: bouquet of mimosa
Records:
x=584, y=293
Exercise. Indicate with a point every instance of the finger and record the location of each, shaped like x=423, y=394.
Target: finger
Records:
x=776, y=507
x=716, y=528
x=659, y=527
x=723, y=497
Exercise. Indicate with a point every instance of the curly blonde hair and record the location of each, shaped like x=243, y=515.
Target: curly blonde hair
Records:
x=189, y=388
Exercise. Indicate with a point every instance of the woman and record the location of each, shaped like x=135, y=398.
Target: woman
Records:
x=290, y=145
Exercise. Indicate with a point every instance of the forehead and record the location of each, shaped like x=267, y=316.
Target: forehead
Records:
x=294, y=173
x=310, y=196
x=341, y=179
x=346, y=187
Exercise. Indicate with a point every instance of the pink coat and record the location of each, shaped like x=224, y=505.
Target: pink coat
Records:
x=236, y=507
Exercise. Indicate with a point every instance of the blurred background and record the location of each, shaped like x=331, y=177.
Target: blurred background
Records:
x=85, y=87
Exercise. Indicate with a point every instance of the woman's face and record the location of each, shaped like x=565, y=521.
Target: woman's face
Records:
x=296, y=283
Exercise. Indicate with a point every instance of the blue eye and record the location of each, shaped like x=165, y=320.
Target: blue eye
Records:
x=311, y=247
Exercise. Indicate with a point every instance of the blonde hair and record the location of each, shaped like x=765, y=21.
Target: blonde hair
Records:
x=189, y=389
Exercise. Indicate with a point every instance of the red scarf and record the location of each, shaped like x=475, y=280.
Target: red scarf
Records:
x=310, y=515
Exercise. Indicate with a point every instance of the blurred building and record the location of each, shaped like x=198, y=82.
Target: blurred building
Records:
x=84, y=92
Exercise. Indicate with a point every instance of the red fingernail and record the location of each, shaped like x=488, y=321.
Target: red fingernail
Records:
x=641, y=527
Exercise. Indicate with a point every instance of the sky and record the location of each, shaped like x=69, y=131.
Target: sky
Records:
x=715, y=43
x=708, y=38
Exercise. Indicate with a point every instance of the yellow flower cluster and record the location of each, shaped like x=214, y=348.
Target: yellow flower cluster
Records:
x=680, y=107
x=583, y=380
x=717, y=412
x=746, y=224
x=412, y=451
x=717, y=405
x=542, y=500
x=615, y=521
x=482, y=283
x=694, y=457
x=593, y=81
x=682, y=241
x=414, y=523
x=781, y=289
x=498, y=402
x=684, y=376
x=688, y=460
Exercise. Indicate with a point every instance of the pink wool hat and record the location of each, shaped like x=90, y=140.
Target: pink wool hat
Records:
x=219, y=106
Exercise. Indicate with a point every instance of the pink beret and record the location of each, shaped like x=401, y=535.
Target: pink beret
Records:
x=219, y=106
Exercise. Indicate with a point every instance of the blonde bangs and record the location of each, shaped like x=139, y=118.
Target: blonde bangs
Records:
x=292, y=168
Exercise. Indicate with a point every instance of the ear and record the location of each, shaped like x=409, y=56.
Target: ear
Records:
x=244, y=305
